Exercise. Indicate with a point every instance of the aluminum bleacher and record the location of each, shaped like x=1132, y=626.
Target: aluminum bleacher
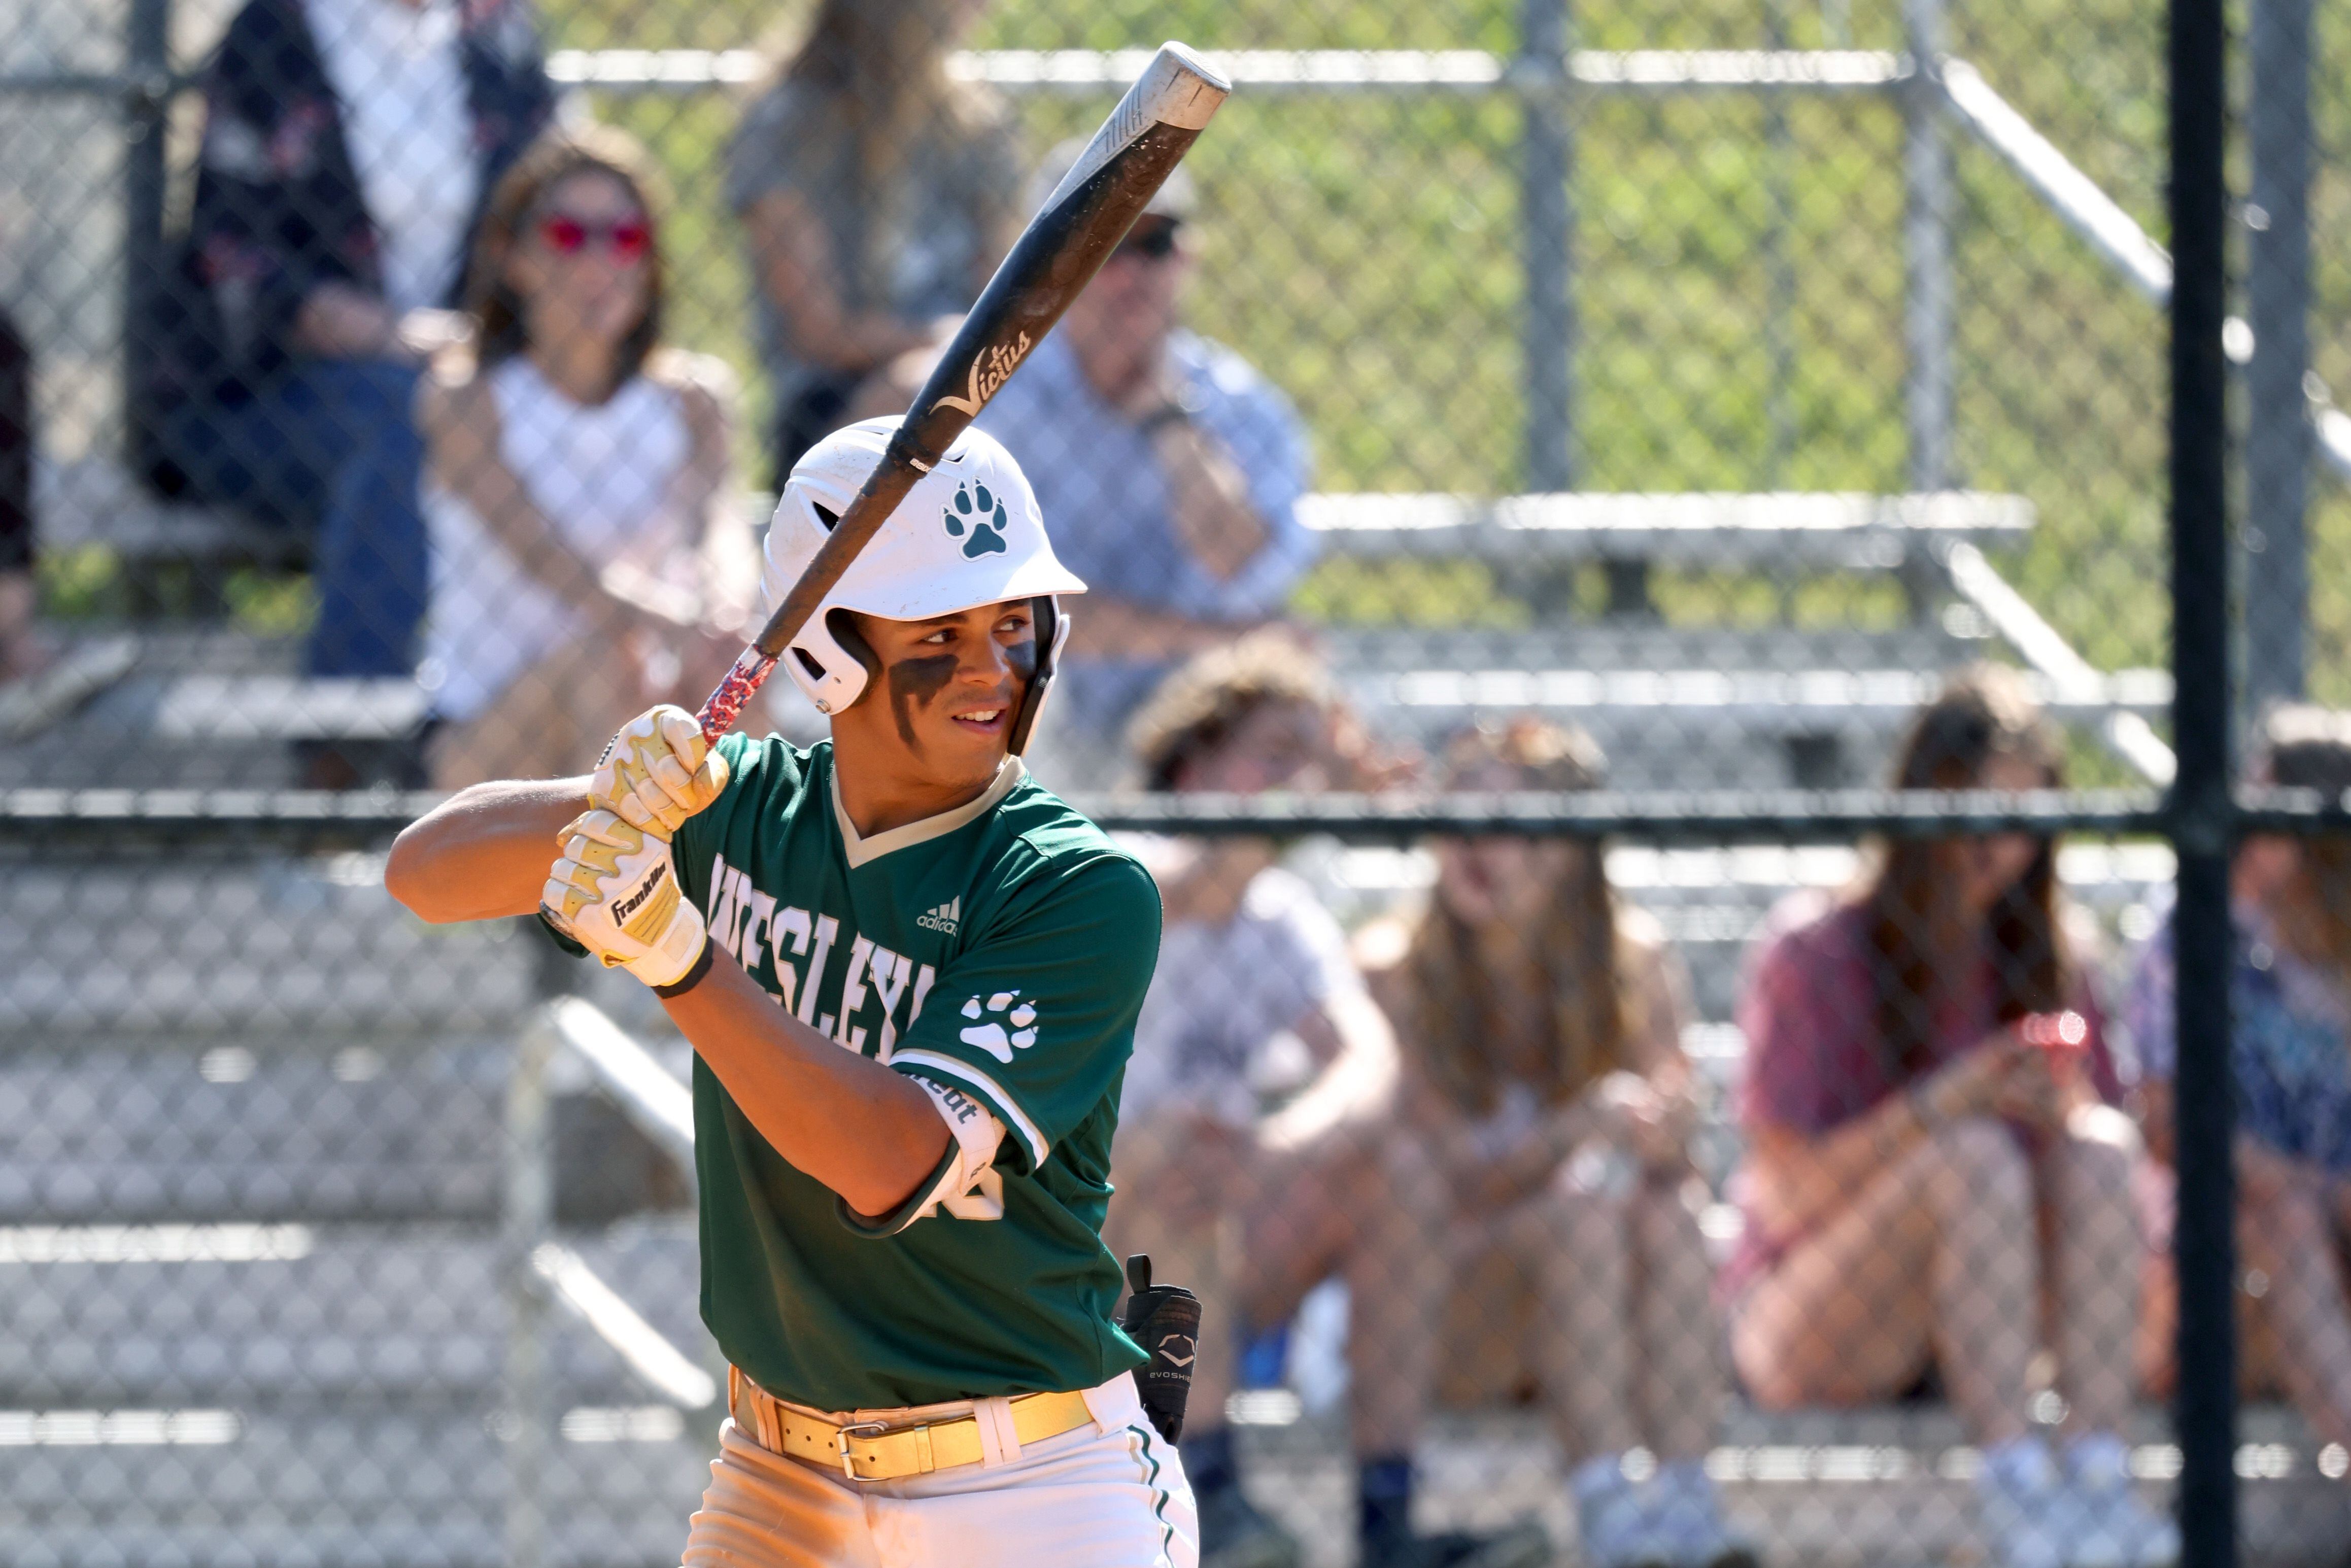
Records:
x=1707, y=529
x=1777, y=705
x=255, y=1294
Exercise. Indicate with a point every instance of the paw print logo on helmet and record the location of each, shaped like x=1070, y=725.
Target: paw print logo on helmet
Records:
x=975, y=516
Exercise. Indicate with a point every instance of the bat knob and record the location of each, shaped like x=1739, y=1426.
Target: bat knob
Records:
x=1179, y=88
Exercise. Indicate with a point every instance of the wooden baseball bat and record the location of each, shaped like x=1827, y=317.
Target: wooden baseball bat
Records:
x=1062, y=247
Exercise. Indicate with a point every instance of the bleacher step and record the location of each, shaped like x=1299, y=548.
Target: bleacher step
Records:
x=246, y=947
x=1821, y=530
x=139, y=1133
x=391, y=1490
x=244, y=1316
x=1868, y=1489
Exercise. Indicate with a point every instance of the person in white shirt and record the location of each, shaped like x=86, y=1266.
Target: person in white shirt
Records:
x=1260, y=1148
x=586, y=560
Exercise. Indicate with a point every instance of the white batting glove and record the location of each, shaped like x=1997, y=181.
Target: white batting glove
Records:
x=658, y=771
x=615, y=891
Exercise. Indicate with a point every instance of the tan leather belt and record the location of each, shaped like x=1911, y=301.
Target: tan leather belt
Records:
x=878, y=1452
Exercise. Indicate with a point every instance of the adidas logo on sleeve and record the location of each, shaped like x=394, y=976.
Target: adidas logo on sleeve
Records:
x=942, y=918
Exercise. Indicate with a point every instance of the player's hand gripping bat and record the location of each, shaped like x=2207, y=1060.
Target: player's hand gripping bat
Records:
x=1063, y=245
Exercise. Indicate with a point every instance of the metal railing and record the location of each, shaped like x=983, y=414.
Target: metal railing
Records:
x=540, y=1272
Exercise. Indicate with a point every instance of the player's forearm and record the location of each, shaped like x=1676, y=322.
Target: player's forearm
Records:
x=869, y=1133
x=485, y=852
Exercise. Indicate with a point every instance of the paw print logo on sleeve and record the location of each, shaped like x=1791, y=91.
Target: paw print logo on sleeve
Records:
x=977, y=512
x=987, y=1031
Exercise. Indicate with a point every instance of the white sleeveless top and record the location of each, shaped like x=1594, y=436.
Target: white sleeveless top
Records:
x=605, y=478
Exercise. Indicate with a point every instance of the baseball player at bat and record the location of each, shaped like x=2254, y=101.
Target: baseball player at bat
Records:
x=911, y=977
x=911, y=981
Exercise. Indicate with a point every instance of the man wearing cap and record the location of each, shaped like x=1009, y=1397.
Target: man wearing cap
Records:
x=1171, y=467
x=911, y=977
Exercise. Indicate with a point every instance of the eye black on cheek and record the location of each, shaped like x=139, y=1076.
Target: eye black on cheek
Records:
x=916, y=683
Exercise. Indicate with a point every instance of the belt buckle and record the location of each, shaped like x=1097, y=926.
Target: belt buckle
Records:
x=842, y=1435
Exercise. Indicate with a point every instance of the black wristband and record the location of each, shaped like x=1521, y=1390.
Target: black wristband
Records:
x=693, y=977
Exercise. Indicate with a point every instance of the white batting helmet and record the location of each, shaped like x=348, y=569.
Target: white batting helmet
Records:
x=967, y=534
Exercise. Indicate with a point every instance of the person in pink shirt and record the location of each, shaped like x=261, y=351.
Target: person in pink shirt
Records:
x=1938, y=1177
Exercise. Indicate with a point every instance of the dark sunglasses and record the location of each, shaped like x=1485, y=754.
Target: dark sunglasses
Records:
x=626, y=239
x=1154, y=244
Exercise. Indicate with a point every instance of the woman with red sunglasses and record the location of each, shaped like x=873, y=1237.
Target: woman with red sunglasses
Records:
x=585, y=562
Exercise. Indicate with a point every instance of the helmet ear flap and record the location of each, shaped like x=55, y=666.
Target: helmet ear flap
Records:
x=844, y=627
x=830, y=663
x=1052, y=625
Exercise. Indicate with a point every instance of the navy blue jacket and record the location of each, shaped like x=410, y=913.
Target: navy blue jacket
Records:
x=278, y=206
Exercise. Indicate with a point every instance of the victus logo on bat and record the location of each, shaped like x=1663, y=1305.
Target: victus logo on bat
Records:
x=990, y=371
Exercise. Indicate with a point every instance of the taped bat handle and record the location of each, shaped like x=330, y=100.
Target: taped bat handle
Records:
x=905, y=459
x=749, y=672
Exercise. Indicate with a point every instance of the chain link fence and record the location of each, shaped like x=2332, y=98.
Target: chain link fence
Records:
x=1628, y=614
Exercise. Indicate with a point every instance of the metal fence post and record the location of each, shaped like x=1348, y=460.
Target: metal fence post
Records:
x=1927, y=300
x=1547, y=218
x=2202, y=809
x=1779, y=269
x=2277, y=433
x=1926, y=250
x=529, y=1203
x=146, y=108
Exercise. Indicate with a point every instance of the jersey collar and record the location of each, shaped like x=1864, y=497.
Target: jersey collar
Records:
x=862, y=851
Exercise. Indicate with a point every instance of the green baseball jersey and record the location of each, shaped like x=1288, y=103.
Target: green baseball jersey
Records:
x=1000, y=951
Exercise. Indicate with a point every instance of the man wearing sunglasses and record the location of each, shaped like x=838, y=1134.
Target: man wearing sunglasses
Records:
x=1175, y=467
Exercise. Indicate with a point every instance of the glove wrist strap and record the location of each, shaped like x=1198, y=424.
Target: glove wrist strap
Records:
x=693, y=976
x=682, y=954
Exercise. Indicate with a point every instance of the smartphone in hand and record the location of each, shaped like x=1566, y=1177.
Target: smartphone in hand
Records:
x=2066, y=1032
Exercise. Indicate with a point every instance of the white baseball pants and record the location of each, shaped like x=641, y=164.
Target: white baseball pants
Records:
x=1111, y=1494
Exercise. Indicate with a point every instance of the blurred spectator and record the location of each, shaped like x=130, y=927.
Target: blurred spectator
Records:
x=1935, y=1170
x=1169, y=466
x=1257, y=1151
x=1541, y=1022
x=2290, y=1058
x=878, y=191
x=21, y=653
x=585, y=562
x=347, y=147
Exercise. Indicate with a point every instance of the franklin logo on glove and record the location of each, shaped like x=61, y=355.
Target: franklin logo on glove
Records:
x=658, y=881
x=615, y=891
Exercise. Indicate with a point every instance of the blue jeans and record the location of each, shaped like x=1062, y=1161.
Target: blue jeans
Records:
x=330, y=450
